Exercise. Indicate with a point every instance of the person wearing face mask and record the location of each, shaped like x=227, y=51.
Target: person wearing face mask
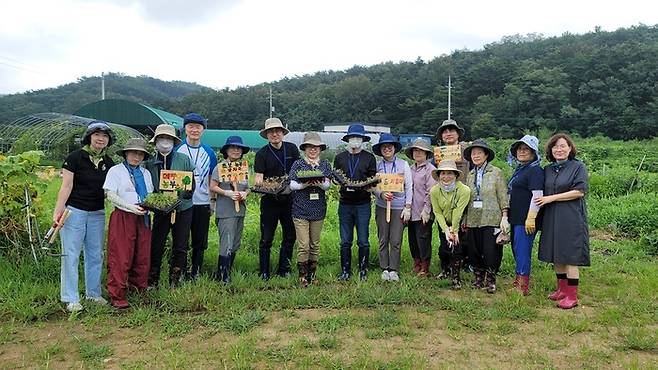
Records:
x=204, y=160
x=564, y=240
x=354, y=207
x=487, y=210
x=309, y=205
x=390, y=233
x=526, y=184
x=81, y=193
x=449, y=198
x=166, y=158
x=230, y=222
x=129, y=232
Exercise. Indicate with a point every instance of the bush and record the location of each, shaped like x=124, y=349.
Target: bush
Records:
x=631, y=215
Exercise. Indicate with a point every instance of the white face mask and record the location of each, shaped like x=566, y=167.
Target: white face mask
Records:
x=164, y=145
x=355, y=142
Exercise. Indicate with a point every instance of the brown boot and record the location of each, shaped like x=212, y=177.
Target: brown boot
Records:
x=490, y=282
x=417, y=266
x=424, y=268
x=454, y=273
x=302, y=267
x=524, y=284
x=312, y=268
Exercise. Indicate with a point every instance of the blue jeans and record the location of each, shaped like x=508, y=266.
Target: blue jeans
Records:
x=522, y=248
x=350, y=216
x=82, y=230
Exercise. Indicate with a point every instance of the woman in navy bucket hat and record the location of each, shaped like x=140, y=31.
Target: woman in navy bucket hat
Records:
x=230, y=222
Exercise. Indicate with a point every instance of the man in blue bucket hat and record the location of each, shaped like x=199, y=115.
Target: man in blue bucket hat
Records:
x=354, y=207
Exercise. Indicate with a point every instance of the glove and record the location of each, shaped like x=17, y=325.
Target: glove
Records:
x=231, y=194
x=119, y=202
x=425, y=216
x=455, y=238
x=134, y=208
x=406, y=215
x=530, y=226
x=243, y=195
x=504, y=225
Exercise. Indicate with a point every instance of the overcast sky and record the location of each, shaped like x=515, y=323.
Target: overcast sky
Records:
x=230, y=43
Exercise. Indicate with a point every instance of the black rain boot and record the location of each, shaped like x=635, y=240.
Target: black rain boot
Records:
x=175, y=277
x=455, y=270
x=225, y=269
x=197, y=262
x=363, y=263
x=232, y=259
x=302, y=268
x=264, y=260
x=312, y=268
x=345, y=264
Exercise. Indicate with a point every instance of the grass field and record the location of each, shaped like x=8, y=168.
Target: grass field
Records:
x=415, y=323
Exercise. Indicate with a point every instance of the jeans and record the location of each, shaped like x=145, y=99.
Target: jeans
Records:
x=83, y=231
x=349, y=216
x=522, y=248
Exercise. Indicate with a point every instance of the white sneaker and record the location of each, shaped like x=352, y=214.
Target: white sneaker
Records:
x=385, y=275
x=393, y=276
x=74, y=307
x=97, y=300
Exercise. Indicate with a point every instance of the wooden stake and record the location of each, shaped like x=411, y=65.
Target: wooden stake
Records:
x=236, y=202
x=388, y=211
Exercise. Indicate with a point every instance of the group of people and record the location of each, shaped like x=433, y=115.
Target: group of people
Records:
x=473, y=207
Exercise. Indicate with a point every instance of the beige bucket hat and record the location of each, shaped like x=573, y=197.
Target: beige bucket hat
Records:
x=449, y=123
x=419, y=144
x=273, y=123
x=312, y=138
x=446, y=165
x=166, y=130
x=135, y=144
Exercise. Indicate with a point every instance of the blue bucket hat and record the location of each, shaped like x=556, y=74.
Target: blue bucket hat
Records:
x=194, y=118
x=531, y=141
x=98, y=126
x=386, y=138
x=234, y=141
x=356, y=130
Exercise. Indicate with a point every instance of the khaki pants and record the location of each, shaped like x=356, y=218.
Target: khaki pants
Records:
x=308, y=239
x=390, y=238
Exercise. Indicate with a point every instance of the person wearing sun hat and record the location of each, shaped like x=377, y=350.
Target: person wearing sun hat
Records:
x=81, y=193
x=230, y=222
x=526, y=184
x=390, y=233
x=487, y=211
x=275, y=160
x=450, y=133
x=166, y=158
x=309, y=204
x=420, y=225
x=354, y=208
x=129, y=233
x=449, y=201
x=204, y=160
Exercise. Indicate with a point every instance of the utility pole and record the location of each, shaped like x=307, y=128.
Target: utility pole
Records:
x=102, y=85
x=449, y=88
x=271, y=106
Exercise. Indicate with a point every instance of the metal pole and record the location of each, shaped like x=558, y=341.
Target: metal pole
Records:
x=102, y=85
x=271, y=102
x=449, y=88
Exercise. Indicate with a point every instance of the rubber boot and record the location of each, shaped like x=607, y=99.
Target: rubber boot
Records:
x=454, y=273
x=232, y=259
x=417, y=266
x=264, y=263
x=490, y=281
x=560, y=292
x=302, y=268
x=478, y=281
x=524, y=284
x=517, y=281
x=570, y=299
x=312, y=268
x=225, y=269
x=345, y=264
x=175, y=277
x=197, y=262
x=363, y=263
x=424, y=268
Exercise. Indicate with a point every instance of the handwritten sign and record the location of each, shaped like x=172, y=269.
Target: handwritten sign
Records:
x=446, y=152
x=175, y=180
x=393, y=182
x=234, y=171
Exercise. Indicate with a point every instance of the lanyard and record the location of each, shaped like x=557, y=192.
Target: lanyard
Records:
x=477, y=183
x=393, y=168
x=197, y=171
x=353, y=166
x=282, y=163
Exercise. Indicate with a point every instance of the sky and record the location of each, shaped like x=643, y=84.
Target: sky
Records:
x=232, y=43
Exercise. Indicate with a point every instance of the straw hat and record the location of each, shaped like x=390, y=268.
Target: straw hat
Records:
x=135, y=144
x=312, y=138
x=166, y=130
x=271, y=123
x=419, y=144
x=446, y=165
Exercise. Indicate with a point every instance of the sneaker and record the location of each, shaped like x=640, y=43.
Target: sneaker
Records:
x=97, y=300
x=74, y=307
x=393, y=276
x=385, y=275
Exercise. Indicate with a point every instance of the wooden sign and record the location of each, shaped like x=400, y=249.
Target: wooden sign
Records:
x=453, y=152
x=175, y=180
x=393, y=182
x=234, y=171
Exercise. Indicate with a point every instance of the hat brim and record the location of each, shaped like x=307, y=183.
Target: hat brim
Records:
x=490, y=153
x=377, y=148
x=322, y=146
x=177, y=140
x=409, y=152
x=122, y=152
x=347, y=137
x=263, y=132
x=439, y=131
x=436, y=172
x=224, y=149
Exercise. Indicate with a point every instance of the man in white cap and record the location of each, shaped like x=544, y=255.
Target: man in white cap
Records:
x=273, y=160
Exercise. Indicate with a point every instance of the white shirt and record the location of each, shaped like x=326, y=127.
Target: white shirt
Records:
x=118, y=180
